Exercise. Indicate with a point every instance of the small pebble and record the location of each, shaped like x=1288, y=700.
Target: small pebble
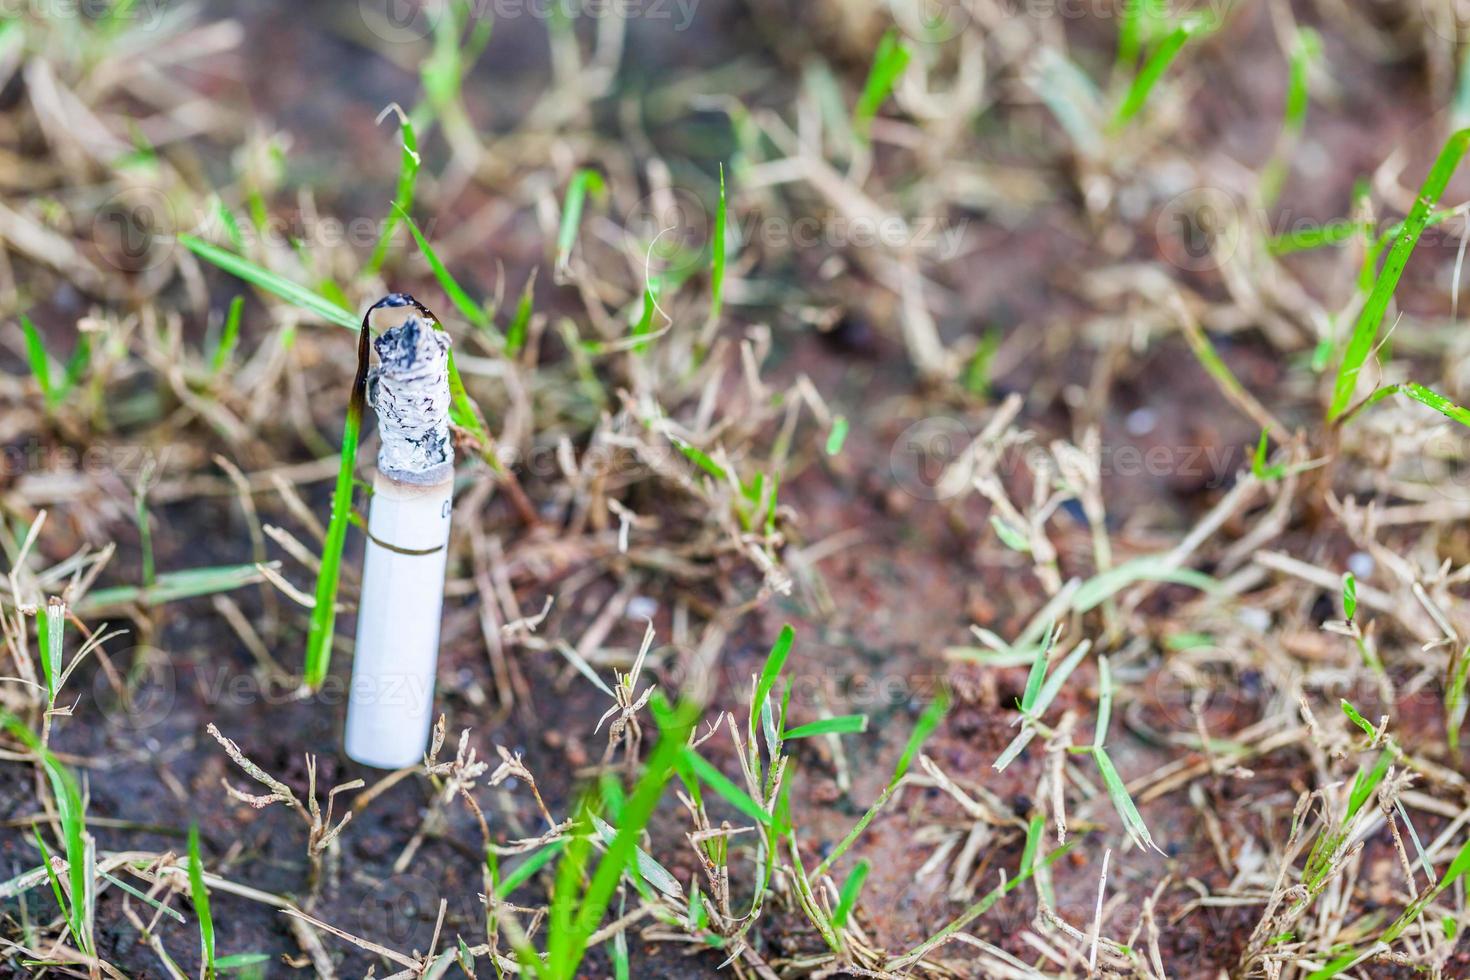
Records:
x=1255, y=619
x=1141, y=421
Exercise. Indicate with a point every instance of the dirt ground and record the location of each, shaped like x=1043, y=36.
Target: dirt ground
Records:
x=891, y=569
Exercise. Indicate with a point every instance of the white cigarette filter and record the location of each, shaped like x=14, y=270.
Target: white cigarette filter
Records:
x=390, y=705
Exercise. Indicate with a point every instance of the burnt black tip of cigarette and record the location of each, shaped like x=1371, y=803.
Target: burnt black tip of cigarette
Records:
x=396, y=300
x=401, y=348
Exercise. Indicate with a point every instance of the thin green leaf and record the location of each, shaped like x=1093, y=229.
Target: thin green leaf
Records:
x=771, y=672
x=648, y=869
x=293, y=293
x=634, y=817
x=1436, y=401
x=1149, y=568
x=889, y=61
x=923, y=728
x=1009, y=536
x=1122, y=802
x=468, y=308
x=515, y=334
x=840, y=725
x=1358, y=719
x=837, y=435
x=408, y=172
x=1156, y=65
x=319, y=635
x=1365, y=333
x=1104, y=703
x=1035, y=678
x=39, y=360
x=726, y=788
x=523, y=871
x=1366, y=782
x=200, y=896
x=717, y=254
x=585, y=181
x=229, y=337
x=977, y=909
x=851, y=888
x=171, y=587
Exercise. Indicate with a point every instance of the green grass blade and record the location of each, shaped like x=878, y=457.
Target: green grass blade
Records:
x=634, y=817
x=584, y=182
x=1357, y=718
x=145, y=535
x=1455, y=698
x=648, y=869
x=1307, y=239
x=1104, y=703
x=468, y=308
x=840, y=725
x=1304, y=50
x=837, y=435
x=1149, y=568
x=1044, y=697
x=293, y=293
x=717, y=255
x=851, y=888
x=1366, y=782
x=977, y=909
x=726, y=788
x=61, y=901
x=1122, y=802
x=1009, y=536
x=324, y=613
x=53, y=618
x=70, y=810
x=200, y=896
x=1058, y=677
x=889, y=62
x=229, y=337
x=171, y=587
x=770, y=673
x=1154, y=68
x=1035, y=678
x=39, y=360
x=1365, y=333
x=1436, y=401
x=241, y=961
x=515, y=334
x=1140, y=20
x=925, y=726
x=523, y=871
x=408, y=173
x=644, y=326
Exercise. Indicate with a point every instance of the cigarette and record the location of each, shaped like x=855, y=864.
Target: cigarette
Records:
x=391, y=698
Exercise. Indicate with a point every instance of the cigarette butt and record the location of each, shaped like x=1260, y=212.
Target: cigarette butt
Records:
x=390, y=704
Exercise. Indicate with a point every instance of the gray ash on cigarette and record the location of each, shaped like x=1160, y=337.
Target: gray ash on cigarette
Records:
x=409, y=391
